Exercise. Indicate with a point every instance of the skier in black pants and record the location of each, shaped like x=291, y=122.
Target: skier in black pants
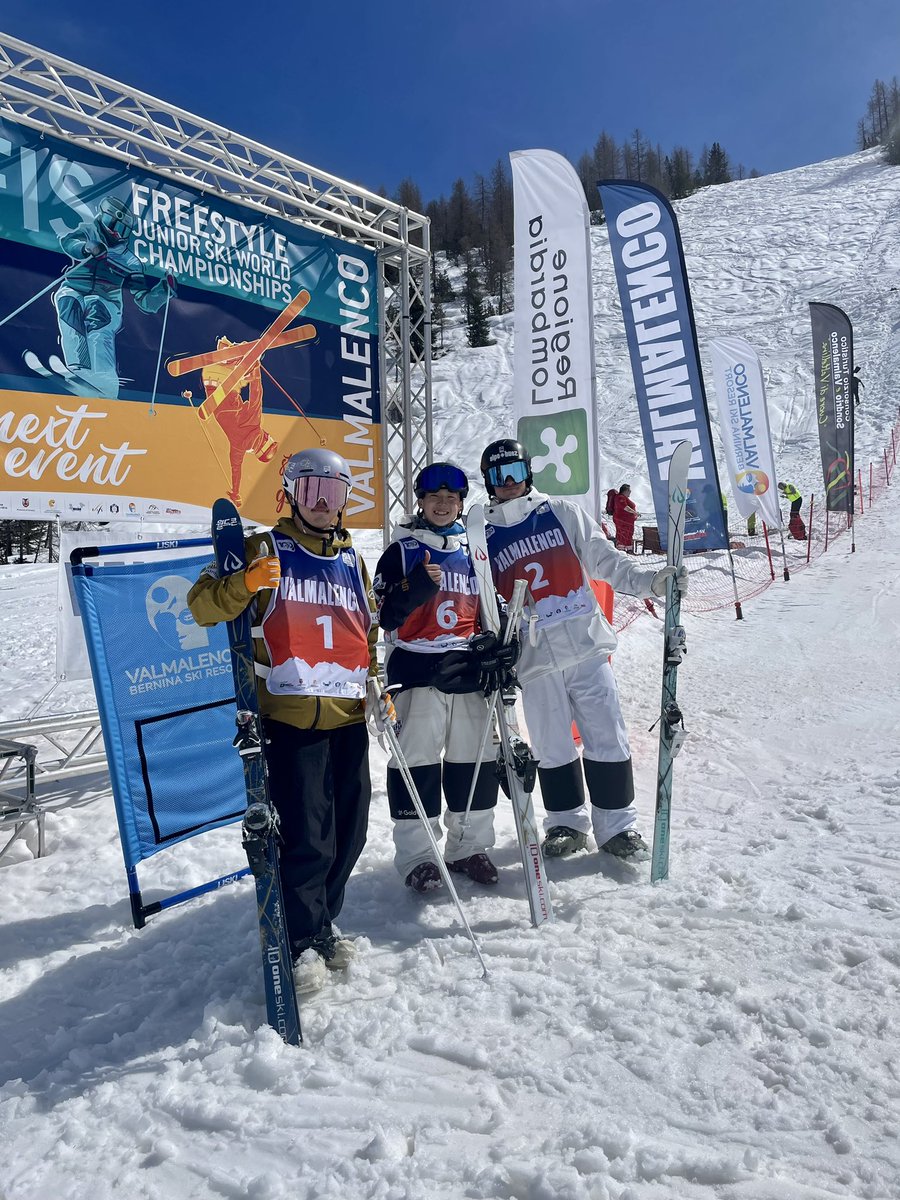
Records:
x=441, y=662
x=314, y=643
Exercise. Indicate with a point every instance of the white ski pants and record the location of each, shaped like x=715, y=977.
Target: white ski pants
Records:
x=439, y=736
x=588, y=695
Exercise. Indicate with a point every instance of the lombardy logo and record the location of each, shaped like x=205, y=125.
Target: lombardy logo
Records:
x=169, y=615
x=560, y=460
x=753, y=482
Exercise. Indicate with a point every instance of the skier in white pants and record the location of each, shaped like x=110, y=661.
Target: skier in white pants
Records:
x=564, y=669
x=428, y=608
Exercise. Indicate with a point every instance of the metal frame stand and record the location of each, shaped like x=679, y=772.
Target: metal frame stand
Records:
x=17, y=809
x=58, y=97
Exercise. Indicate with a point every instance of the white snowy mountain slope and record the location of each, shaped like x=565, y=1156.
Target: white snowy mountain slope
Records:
x=731, y=1033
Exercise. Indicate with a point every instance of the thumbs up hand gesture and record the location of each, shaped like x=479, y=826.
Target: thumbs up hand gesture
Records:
x=263, y=572
x=432, y=569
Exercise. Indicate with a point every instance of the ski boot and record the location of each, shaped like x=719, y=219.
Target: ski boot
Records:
x=627, y=844
x=562, y=840
x=478, y=867
x=424, y=878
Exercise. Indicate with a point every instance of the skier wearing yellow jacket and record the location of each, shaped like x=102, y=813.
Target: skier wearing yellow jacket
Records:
x=314, y=643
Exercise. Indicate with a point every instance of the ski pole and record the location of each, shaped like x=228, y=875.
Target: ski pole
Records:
x=44, y=291
x=400, y=758
x=162, y=338
x=514, y=613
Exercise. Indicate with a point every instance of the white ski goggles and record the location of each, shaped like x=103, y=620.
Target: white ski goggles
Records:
x=309, y=490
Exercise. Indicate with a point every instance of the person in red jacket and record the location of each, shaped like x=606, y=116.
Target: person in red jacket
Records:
x=624, y=515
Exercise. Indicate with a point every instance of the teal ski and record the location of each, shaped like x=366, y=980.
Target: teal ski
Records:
x=671, y=723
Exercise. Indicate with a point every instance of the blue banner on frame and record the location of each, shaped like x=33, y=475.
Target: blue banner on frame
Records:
x=166, y=700
x=662, y=342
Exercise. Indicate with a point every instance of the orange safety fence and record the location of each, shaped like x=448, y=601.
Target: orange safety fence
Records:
x=711, y=584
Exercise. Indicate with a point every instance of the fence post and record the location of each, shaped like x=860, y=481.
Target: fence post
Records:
x=871, y=482
x=809, y=530
x=887, y=469
x=862, y=506
x=768, y=550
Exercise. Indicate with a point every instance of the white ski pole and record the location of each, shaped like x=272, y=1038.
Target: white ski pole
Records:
x=513, y=615
x=399, y=757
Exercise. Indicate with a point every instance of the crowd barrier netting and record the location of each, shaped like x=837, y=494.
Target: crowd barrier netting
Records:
x=711, y=586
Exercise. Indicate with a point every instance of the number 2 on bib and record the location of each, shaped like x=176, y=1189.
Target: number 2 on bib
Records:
x=538, y=581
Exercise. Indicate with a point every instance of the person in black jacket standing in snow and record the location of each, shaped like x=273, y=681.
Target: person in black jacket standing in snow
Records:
x=428, y=609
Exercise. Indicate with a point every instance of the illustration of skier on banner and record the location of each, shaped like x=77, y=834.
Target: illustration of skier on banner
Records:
x=89, y=302
x=230, y=371
x=239, y=416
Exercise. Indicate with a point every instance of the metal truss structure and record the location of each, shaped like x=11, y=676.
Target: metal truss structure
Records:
x=70, y=102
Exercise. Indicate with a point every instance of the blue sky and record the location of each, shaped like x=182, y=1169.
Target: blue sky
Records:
x=378, y=91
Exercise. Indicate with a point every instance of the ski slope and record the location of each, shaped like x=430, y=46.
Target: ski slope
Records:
x=730, y=1033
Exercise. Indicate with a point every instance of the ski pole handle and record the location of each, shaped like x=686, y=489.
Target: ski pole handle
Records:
x=379, y=705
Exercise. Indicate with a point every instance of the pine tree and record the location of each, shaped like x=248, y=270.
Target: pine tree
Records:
x=477, y=328
x=680, y=173
x=718, y=168
x=460, y=221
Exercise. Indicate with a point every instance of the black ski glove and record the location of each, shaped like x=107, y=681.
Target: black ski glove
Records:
x=496, y=661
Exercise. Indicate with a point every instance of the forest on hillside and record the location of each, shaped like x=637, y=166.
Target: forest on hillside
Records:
x=473, y=227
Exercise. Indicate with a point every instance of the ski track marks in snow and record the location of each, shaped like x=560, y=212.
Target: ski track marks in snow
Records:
x=729, y=1034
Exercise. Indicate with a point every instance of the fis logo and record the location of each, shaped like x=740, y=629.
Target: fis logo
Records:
x=560, y=460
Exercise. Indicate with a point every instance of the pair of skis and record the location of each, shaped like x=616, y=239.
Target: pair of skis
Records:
x=517, y=766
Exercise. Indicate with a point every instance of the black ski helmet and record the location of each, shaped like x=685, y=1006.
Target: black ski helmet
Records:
x=439, y=475
x=501, y=452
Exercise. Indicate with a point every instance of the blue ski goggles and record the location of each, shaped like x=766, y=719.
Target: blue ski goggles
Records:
x=443, y=475
x=515, y=472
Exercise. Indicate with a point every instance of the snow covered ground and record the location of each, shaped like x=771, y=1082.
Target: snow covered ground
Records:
x=730, y=1033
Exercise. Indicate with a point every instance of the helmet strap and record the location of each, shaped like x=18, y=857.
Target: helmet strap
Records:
x=327, y=535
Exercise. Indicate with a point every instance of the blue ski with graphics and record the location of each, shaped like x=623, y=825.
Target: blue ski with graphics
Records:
x=671, y=724
x=259, y=831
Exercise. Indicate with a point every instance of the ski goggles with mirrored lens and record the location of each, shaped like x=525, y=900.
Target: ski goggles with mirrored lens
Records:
x=308, y=490
x=517, y=472
x=443, y=475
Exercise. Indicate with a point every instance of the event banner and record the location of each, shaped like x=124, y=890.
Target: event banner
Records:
x=166, y=699
x=161, y=347
x=662, y=342
x=553, y=387
x=832, y=337
x=744, y=420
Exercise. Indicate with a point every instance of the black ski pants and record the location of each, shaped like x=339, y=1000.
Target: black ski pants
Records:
x=319, y=782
